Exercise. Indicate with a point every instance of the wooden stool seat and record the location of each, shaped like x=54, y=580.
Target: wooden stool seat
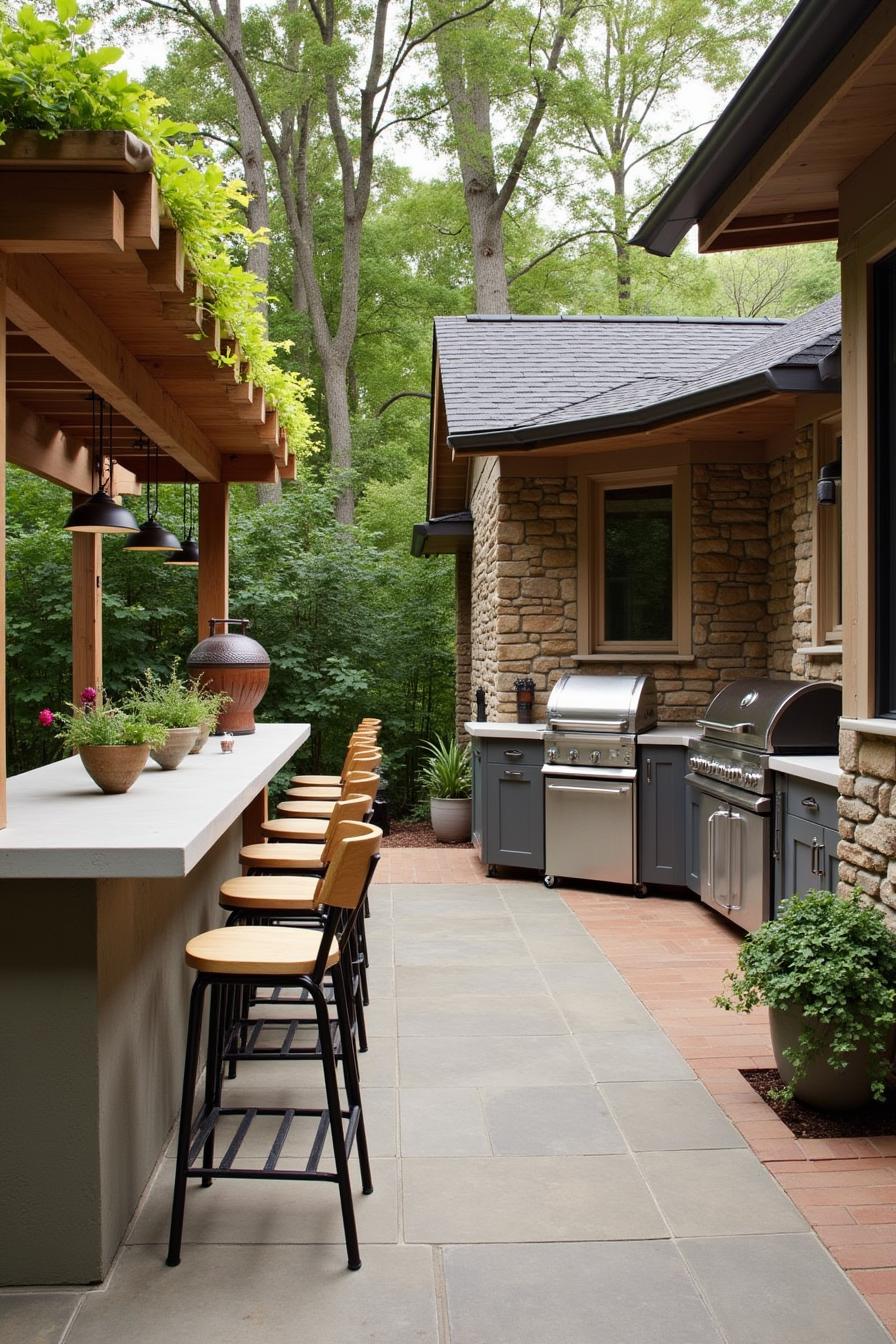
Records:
x=316, y=793
x=282, y=856
x=269, y=893
x=306, y=807
x=316, y=781
x=293, y=828
x=257, y=950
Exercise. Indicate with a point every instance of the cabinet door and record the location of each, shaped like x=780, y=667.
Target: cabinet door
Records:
x=804, y=850
x=830, y=863
x=514, y=816
x=478, y=796
x=661, y=805
x=692, y=838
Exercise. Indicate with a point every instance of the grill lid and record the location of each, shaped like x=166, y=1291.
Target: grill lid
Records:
x=602, y=704
x=775, y=716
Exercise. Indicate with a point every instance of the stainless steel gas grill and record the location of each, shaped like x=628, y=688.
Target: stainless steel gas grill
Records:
x=590, y=776
x=730, y=828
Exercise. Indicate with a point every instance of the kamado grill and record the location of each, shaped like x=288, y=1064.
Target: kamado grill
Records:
x=590, y=776
x=730, y=839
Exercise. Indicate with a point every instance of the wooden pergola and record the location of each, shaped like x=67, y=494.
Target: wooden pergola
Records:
x=96, y=296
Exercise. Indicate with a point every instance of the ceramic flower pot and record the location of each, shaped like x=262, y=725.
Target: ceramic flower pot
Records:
x=114, y=769
x=205, y=730
x=823, y=1086
x=176, y=746
x=236, y=665
x=451, y=818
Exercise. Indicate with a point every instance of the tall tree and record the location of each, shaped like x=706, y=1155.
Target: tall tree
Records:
x=640, y=65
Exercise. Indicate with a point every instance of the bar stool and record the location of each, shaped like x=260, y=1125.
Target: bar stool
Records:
x=229, y=958
x=268, y=857
x=358, y=781
x=360, y=740
x=362, y=762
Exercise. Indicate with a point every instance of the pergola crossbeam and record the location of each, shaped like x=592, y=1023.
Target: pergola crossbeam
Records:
x=38, y=446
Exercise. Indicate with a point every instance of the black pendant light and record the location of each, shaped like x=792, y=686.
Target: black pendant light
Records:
x=151, y=535
x=188, y=553
x=100, y=513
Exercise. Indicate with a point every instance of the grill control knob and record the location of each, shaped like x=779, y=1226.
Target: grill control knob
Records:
x=573, y=753
x=552, y=753
x=595, y=756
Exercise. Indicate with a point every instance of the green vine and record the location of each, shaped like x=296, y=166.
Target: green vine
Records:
x=52, y=80
x=835, y=958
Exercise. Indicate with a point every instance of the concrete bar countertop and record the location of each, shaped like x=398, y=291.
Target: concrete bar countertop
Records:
x=816, y=769
x=479, y=728
x=669, y=735
x=663, y=735
x=60, y=825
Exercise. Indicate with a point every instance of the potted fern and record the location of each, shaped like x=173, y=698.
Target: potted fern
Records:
x=175, y=705
x=826, y=970
x=112, y=743
x=446, y=776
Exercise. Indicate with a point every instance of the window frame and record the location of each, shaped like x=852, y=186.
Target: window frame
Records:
x=679, y=478
x=827, y=551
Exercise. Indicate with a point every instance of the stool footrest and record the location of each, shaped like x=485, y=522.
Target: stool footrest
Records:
x=208, y=1121
x=244, y=1039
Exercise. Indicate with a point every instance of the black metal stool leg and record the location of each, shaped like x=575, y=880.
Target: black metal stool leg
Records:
x=337, y=1132
x=217, y=1026
x=350, y=1072
x=191, y=1065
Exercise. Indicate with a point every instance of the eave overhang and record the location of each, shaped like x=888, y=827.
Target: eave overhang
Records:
x=443, y=536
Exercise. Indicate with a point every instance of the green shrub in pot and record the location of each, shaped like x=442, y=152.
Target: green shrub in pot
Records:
x=446, y=776
x=112, y=743
x=177, y=705
x=826, y=970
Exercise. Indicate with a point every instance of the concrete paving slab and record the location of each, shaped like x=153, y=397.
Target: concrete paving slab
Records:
x=662, y=1116
x=586, y=1010
x=490, y=1061
x=514, y=1199
x=598, y=1293
x=460, y=949
x=564, y=949
x=632, y=1056
x=443, y=980
x=481, y=1015
x=780, y=1290
x=35, y=1318
x=718, y=1194
x=442, y=1122
x=550, y=1121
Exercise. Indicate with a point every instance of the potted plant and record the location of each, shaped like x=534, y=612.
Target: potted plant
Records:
x=826, y=970
x=211, y=703
x=176, y=706
x=113, y=744
x=446, y=775
x=525, y=698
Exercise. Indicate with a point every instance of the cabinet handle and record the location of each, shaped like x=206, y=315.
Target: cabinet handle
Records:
x=514, y=774
x=811, y=804
x=513, y=755
x=649, y=770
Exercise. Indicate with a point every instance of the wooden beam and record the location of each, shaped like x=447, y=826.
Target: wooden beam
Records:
x=87, y=609
x=748, y=231
x=165, y=264
x=39, y=446
x=38, y=219
x=2, y=540
x=214, y=563
x=253, y=816
x=119, y=150
x=44, y=306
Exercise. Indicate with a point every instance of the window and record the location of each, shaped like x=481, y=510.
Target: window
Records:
x=884, y=298
x=828, y=604
x=640, y=569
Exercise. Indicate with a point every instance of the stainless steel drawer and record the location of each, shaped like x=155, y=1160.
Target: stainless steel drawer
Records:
x=812, y=802
x=513, y=751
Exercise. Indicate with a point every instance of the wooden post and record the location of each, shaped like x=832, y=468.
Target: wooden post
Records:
x=2, y=540
x=253, y=816
x=214, y=566
x=87, y=609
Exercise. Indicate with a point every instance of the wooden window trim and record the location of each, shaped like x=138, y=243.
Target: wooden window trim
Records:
x=827, y=549
x=591, y=589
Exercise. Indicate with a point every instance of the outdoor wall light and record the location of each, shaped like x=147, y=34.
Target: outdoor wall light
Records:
x=151, y=535
x=100, y=513
x=828, y=481
x=187, y=553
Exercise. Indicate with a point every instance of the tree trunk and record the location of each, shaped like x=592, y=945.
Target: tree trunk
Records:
x=340, y=426
x=489, y=266
x=620, y=238
x=251, y=145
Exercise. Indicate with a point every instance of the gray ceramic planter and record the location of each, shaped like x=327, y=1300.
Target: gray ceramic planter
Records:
x=452, y=819
x=175, y=747
x=822, y=1086
x=114, y=769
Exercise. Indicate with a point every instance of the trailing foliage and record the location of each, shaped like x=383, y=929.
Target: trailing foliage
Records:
x=833, y=957
x=446, y=771
x=52, y=80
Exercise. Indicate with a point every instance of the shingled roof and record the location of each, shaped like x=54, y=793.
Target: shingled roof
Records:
x=521, y=380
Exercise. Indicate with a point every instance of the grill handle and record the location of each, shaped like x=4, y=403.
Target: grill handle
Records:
x=571, y=788
x=726, y=727
x=619, y=725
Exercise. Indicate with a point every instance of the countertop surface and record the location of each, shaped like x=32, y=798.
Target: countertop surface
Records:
x=60, y=825
x=534, y=731
x=818, y=769
x=664, y=734
x=669, y=735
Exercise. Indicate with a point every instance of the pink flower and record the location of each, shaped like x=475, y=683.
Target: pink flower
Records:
x=46, y=718
x=88, y=696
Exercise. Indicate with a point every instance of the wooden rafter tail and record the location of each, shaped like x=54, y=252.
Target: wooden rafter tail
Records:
x=239, y=397
x=34, y=219
x=288, y=470
x=140, y=193
x=165, y=264
x=251, y=468
x=270, y=430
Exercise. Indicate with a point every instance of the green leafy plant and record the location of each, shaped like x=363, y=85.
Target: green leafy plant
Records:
x=175, y=703
x=102, y=724
x=211, y=703
x=52, y=81
x=833, y=957
x=445, y=772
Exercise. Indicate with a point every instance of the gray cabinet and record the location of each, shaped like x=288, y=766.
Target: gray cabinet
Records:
x=692, y=838
x=508, y=802
x=806, y=838
x=662, y=844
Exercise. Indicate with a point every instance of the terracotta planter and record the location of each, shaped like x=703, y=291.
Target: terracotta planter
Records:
x=204, y=734
x=114, y=769
x=236, y=665
x=452, y=819
x=176, y=746
x=827, y=1088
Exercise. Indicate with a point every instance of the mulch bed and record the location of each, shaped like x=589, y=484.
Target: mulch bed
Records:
x=878, y=1117
x=417, y=835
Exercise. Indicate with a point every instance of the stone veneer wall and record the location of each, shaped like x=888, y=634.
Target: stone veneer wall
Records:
x=867, y=806
x=463, y=694
x=483, y=587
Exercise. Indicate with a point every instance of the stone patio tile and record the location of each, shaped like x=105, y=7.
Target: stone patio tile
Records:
x=235, y=1212
x=718, y=1194
x=257, y=1294
x=586, y=1011
x=657, y=1116
x=566, y=949
x=442, y=1122
x=587, y=977
x=632, y=1056
x=35, y=1318
x=547, y=924
x=603, y=1293
x=550, y=1121
x=512, y=1199
x=766, y=1289
x=444, y=980
x=480, y=1015
x=490, y=1061
x=460, y=949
